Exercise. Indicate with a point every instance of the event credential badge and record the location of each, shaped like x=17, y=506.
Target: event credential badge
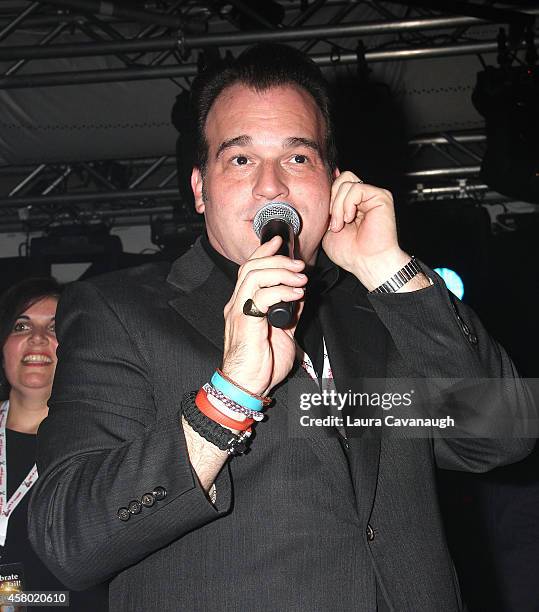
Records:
x=11, y=581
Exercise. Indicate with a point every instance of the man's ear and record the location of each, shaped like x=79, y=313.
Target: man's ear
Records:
x=196, y=186
x=336, y=173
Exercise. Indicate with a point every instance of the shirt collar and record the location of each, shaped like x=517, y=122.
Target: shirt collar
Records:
x=322, y=277
x=228, y=267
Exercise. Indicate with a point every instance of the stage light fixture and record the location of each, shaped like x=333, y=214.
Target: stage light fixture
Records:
x=174, y=236
x=252, y=14
x=452, y=281
x=508, y=98
x=75, y=243
x=90, y=246
x=454, y=234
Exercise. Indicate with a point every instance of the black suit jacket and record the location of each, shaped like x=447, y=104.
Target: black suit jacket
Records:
x=299, y=524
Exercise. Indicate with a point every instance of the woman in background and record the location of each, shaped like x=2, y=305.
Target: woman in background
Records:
x=28, y=341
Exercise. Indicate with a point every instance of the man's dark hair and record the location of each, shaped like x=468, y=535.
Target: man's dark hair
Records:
x=16, y=300
x=260, y=67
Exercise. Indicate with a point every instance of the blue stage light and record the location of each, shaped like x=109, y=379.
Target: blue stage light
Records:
x=452, y=281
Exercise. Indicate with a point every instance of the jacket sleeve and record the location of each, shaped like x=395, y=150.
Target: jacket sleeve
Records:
x=103, y=446
x=440, y=338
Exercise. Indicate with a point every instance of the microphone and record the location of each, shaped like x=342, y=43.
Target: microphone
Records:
x=279, y=219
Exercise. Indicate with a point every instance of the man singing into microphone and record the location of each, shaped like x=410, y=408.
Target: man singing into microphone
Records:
x=165, y=373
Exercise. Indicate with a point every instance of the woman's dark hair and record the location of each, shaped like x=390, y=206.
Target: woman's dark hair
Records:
x=260, y=67
x=16, y=300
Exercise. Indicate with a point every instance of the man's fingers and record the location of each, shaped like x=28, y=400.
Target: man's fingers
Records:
x=354, y=199
x=273, y=261
x=266, y=259
x=283, y=283
x=339, y=213
x=268, y=296
x=271, y=277
x=343, y=177
x=268, y=248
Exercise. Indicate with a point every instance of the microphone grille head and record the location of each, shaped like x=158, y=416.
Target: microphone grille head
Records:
x=276, y=210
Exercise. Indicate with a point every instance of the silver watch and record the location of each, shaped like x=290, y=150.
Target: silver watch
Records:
x=398, y=280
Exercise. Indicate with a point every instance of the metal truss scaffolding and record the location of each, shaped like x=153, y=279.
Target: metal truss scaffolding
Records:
x=123, y=192
x=173, y=38
x=130, y=192
x=166, y=46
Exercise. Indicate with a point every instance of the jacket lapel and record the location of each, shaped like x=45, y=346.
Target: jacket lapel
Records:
x=204, y=291
x=355, y=338
x=323, y=440
x=357, y=345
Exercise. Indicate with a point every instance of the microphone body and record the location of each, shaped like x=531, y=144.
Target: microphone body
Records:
x=279, y=219
x=278, y=227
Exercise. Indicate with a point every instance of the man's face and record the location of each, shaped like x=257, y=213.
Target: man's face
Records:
x=263, y=147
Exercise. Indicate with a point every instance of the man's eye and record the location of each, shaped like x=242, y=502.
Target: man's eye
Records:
x=240, y=160
x=300, y=159
x=52, y=328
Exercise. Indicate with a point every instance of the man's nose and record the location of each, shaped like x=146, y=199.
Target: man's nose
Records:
x=270, y=182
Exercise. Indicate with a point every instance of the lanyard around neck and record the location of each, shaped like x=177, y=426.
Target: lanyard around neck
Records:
x=7, y=506
x=307, y=364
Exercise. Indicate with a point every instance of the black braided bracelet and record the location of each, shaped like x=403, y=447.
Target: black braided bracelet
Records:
x=221, y=437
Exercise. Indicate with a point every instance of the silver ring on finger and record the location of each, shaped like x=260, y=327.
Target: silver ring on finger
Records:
x=250, y=309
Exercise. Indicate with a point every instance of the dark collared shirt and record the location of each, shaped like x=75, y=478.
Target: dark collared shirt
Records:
x=322, y=277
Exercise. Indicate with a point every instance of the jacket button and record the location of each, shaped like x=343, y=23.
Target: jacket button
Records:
x=134, y=507
x=472, y=338
x=147, y=500
x=123, y=514
x=159, y=493
x=370, y=533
